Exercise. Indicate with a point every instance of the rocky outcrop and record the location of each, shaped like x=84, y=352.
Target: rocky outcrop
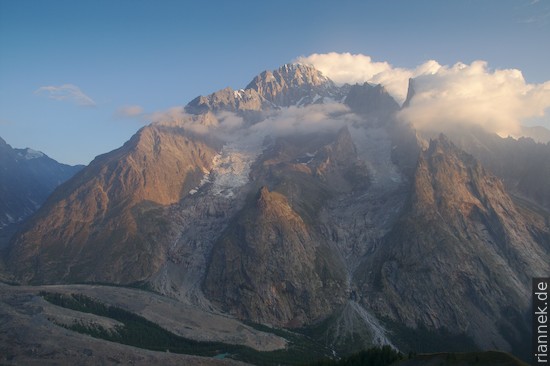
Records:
x=247, y=100
x=522, y=164
x=268, y=266
x=462, y=255
x=294, y=84
x=291, y=84
x=274, y=264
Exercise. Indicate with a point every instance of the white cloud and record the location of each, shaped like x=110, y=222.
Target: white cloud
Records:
x=229, y=126
x=129, y=111
x=174, y=114
x=312, y=118
x=68, y=92
x=499, y=101
x=201, y=124
x=347, y=68
x=229, y=121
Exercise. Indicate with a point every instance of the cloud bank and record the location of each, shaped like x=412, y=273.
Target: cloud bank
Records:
x=292, y=120
x=347, y=68
x=301, y=120
x=461, y=95
x=500, y=101
x=68, y=92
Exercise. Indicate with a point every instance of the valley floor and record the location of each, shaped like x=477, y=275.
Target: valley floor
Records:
x=33, y=331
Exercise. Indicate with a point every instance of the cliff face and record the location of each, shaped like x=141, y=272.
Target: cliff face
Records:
x=97, y=226
x=267, y=266
x=462, y=255
x=522, y=164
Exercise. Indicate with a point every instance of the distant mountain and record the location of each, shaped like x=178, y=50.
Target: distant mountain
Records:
x=301, y=204
x=28, y=177
x=537, y=133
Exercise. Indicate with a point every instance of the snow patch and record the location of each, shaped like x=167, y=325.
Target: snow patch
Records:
x=239, y=94
x=205, y=179
x=374, y=147
x=231, y=168
x=33, y=154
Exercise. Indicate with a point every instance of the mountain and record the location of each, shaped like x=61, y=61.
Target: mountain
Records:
x=521, y=163
x=464, y=240
x=295, y=84
x=291, y=278
x=27, y=179
x=292, y=84
x=301, y=204
x=371, y=101
x=95, y=226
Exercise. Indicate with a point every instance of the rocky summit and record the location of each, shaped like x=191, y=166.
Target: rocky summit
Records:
x=298, y=203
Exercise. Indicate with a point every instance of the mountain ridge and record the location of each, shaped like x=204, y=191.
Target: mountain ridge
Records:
x=113, y=187
x=480, y=227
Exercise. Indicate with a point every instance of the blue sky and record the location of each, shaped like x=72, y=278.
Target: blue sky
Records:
x=67, y=67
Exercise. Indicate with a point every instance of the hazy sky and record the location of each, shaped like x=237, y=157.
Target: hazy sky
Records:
x=72, y=73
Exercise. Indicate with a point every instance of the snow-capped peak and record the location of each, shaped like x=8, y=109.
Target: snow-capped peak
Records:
x=294, y=84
